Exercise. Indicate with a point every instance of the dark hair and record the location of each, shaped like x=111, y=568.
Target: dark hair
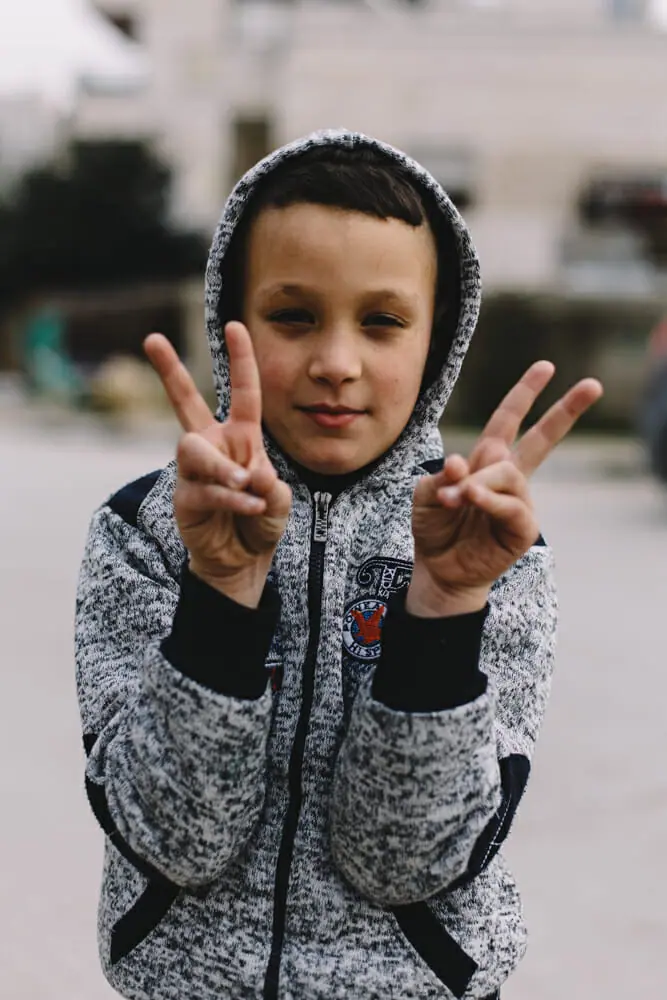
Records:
x=357, y=180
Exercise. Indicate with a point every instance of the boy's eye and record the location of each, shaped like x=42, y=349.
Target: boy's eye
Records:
x=383, y=319
x=292, y=317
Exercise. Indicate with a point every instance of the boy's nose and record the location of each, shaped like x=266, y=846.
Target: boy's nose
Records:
x=335, y=360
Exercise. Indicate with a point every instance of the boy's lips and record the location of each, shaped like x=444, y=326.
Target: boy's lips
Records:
x=329, y=416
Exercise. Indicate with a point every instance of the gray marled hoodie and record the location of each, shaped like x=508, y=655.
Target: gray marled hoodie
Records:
x=318, y=836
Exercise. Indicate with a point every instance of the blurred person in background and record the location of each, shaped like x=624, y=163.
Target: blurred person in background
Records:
x=50, y=372
x=653, y=403
x=312, y=655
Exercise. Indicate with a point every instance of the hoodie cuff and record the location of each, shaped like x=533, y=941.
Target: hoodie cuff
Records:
x=429, y=664
x=219, y=643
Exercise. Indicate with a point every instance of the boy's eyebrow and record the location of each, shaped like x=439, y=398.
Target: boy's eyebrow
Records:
x=373, y=295
x=283, y=289
x=391, y=295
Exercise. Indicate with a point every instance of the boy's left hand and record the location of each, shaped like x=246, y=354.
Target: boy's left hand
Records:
x=475, y=519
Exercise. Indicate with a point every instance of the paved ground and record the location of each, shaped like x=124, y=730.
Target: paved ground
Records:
x=588, y=844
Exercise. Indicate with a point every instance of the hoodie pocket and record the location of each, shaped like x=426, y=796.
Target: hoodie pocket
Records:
x=144, y=917
x=436, y=947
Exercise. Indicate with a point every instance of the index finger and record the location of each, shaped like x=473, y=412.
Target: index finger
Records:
x=515, y=407
x=246, y=402
x=540, y=440
x=188, y=404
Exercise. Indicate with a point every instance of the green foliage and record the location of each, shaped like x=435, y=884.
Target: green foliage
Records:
x=100, y=219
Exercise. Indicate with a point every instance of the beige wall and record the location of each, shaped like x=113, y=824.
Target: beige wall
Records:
x=538, y=113
x=538, y=102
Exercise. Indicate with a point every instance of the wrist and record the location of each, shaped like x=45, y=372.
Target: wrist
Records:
x=428, y=599
x=244, y=586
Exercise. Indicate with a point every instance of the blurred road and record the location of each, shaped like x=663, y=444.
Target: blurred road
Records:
x=588, y=843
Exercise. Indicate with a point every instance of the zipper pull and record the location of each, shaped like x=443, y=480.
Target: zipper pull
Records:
x=320, y=528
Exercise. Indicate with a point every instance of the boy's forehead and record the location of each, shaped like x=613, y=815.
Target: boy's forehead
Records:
x=303, y=239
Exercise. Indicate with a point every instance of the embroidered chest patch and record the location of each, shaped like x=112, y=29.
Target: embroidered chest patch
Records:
x=364, y=618
x=362, y=629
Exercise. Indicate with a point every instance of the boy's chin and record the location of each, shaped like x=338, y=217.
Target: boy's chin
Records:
x=334, y=461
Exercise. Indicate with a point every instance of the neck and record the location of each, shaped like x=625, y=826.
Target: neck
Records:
x=320, y=482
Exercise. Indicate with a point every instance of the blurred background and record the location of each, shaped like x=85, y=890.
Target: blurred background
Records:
x=123, y=126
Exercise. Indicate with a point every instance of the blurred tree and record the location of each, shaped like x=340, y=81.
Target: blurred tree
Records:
x=98, y=219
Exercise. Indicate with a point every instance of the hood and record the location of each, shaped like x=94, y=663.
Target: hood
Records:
x=432, y=401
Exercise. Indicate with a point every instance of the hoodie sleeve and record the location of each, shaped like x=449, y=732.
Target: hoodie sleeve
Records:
x=422, y=800
x=175, y=718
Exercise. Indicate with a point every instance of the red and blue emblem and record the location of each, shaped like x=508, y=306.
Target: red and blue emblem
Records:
x=362, y=628
x=364, y=619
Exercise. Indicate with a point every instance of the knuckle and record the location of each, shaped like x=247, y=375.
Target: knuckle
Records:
x=185, y=445
x=513, y=475
x=493, y=450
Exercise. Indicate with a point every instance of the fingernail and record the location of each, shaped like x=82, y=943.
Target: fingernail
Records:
x=253, y=503
x=240, y=476
x=451, y=493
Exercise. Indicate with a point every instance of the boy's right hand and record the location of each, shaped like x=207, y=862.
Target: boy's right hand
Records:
x=231, y=508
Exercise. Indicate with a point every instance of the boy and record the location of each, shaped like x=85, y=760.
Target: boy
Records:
x=312, y=661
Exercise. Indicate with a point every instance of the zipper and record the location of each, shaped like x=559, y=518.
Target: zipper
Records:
x=322, y=502
x=321, y=525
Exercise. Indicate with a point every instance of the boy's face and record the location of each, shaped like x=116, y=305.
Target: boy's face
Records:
x=339, y=306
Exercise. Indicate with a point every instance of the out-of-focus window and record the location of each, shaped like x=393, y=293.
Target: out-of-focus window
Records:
x=636, y=202
x=252, y=139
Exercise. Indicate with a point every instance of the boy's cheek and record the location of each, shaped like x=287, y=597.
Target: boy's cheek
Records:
x=276, y=372
x=276, y=388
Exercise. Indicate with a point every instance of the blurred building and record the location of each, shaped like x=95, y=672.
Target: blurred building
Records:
x=31, y=131
x=40, y=74
x=519, y=107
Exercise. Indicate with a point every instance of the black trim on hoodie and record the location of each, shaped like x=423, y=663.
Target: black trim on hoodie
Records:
x=219, y=643
x=435, y=945
x=141, y=920
x=433, y=466
x=160, y=893
x=98, y=803
x=443, y=659
x=126, y=502
x=514, y=774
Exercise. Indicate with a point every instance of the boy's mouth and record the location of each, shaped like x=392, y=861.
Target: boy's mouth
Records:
x=329, y=416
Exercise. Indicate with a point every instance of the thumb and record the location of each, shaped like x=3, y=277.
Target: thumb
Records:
x=455, y=469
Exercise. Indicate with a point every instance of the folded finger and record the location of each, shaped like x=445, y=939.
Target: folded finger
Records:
x=516, y=517
x=503, y=477
x=199, y=460
x=208, y=497
x=263, y=476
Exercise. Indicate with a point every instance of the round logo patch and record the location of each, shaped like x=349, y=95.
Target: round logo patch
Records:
x=362, y=628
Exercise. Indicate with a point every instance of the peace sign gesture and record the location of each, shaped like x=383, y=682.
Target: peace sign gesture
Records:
x=231, y=508
x=475, y=519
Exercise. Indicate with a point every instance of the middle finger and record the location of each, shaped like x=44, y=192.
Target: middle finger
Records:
x=515, y=407
x=540, y=440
